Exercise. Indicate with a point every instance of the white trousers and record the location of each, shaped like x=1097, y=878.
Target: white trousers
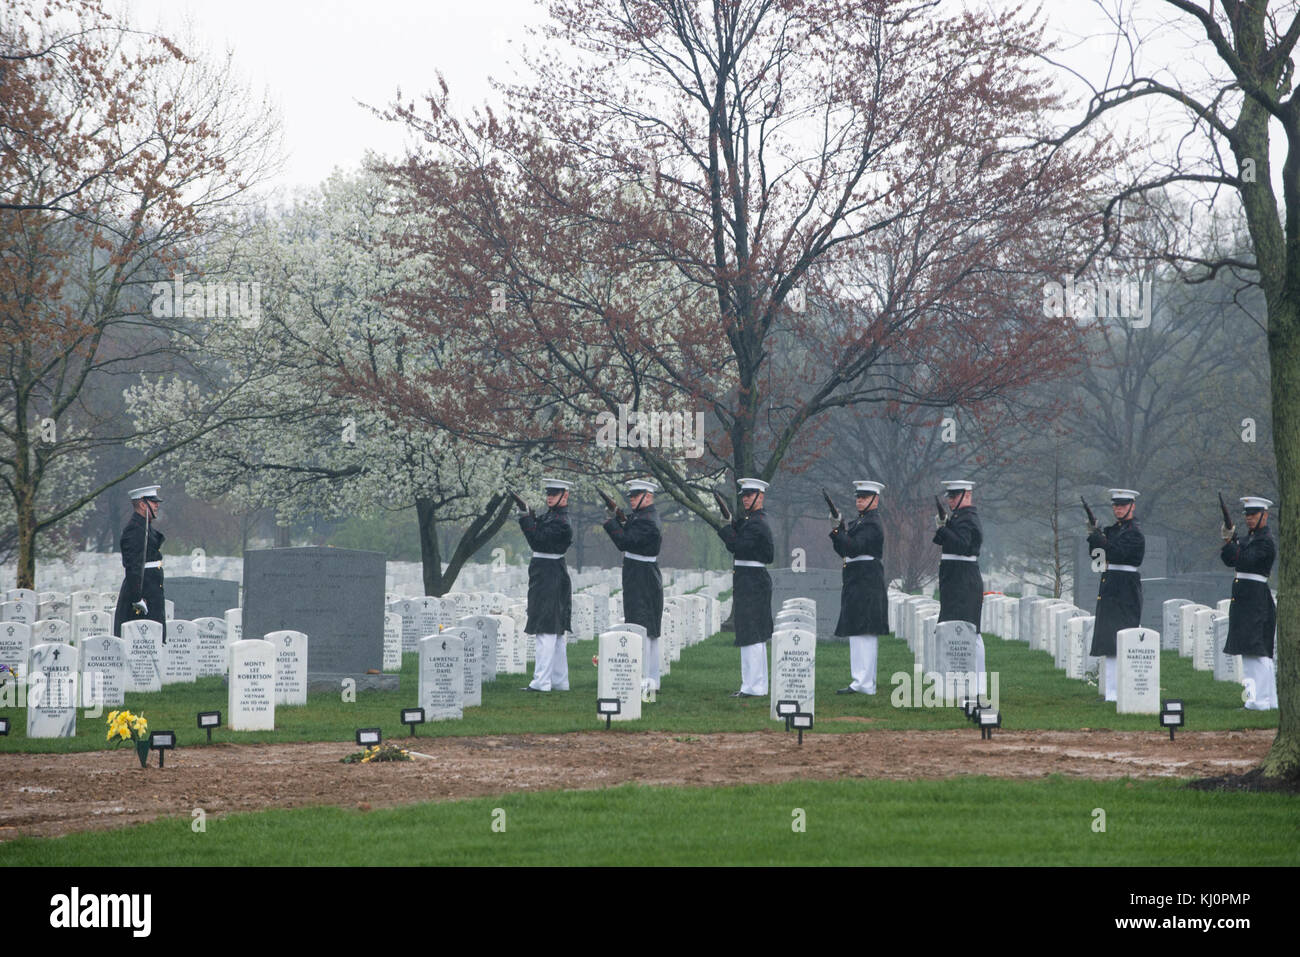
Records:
x=1110, y=670
x=651, y=659
x=551, y=665
x=753, y=668
x=1260, y=679
x=862, y=663
x=981, y=672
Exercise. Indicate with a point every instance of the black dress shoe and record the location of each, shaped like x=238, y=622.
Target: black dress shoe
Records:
x=846, y=691
x=739, y=694
x=531, y=688
x=746, y=694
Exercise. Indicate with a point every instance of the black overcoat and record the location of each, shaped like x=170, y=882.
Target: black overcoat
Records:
x=643, y=584
x=750, y=539
x=1252, y=616
x=134, y=555
x=961, y=587
x=550, y=591
x=864, y=604
x=1119, y=596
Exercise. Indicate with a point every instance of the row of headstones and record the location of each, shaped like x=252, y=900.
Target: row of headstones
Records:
x=1065, y=632
x=947, y=649
x=195, y=648
x=263, y=673
x=621, y=658
x=30, y=608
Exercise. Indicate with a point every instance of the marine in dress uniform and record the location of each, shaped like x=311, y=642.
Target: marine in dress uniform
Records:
x=638, y=537
x=141, y=594
x=1119, y=598
x=961, y=587
x=550, y=592
x=1252, y=616
x=864, y=607
x=749, y=539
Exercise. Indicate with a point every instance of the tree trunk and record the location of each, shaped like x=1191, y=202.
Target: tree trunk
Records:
x=1283, y=758
x=479, y=532
x=426, y=514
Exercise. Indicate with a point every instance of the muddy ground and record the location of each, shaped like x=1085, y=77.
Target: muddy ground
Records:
x=51, y=794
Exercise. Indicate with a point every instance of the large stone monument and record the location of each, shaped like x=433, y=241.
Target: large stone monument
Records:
x=333, y=595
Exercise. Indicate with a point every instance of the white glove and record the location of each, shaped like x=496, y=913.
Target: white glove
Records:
x=140, y=606
x=940, y=522
x=1227, y=533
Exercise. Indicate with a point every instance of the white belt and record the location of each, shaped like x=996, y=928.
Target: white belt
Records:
x=640, y=558
x=861, y=558
x=958, y=558
x=1123, y=568
x=546, y=555
x=739, y=564
x=1253, y=578
x=153, y=564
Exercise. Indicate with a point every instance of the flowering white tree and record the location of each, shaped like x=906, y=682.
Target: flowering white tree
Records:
x=305, y=444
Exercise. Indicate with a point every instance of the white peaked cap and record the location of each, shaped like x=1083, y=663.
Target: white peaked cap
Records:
x=752, y=485
x=1253, y=501
x=144, y=491
x=959, y=486
x=874, y=488
x=1124, y=494
x=642, y=485
x=556, y=483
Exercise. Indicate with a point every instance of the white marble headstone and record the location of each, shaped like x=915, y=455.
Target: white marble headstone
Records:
x=52, y=691
x=15, y=645
x=472, y=644
x=290, y=666
x=794, y=670
x=91, y=623
x=51, y=629
x=955, y=644
x=619, y=672
x=210, y=646
x=442, y=677
x=392, y=641
x=180, y=653
x=143, y=655
x=234, y=630
x=1138, y=664
x=103, y=671
x=1170, y=618
x=488, y=626
x=250, y=699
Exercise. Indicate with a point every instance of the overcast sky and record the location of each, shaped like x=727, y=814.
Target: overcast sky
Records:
x=318, y=58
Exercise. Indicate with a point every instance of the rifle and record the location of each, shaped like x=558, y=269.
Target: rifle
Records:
x=144, y=559
x=1227, y=518
x=522, y=505
x=1092, y=519
x=723, y=507
x=835, y=512
x=943, y=516
x=612, y=506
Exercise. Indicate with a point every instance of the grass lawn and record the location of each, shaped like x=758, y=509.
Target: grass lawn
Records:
x=961, y=821
x=1033, y=694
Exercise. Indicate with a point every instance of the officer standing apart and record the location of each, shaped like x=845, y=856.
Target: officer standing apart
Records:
x=749, y=540
x=864, y=607
x=961, y=588
x=141, y=595
x=638, y=537
x=549, y=589
x=1252, y=616
x=1119, y=599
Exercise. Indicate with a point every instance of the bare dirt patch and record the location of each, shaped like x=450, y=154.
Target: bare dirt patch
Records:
x=51, y=794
